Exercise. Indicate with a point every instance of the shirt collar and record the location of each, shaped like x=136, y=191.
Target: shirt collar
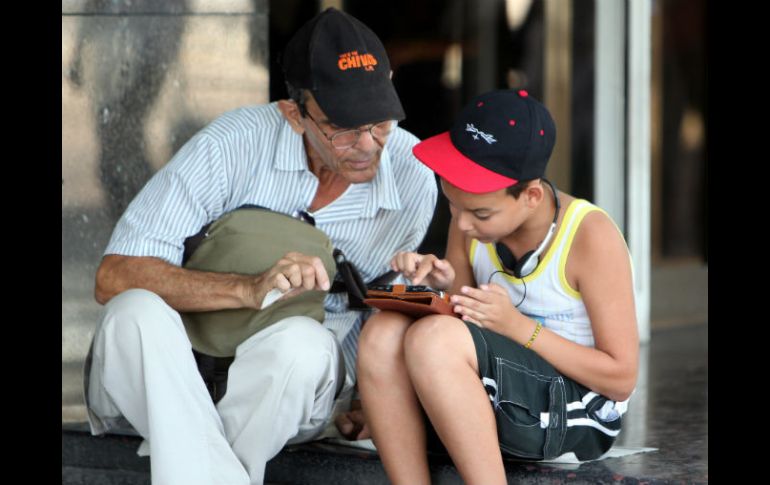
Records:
x=290, y=155
x=384, y=191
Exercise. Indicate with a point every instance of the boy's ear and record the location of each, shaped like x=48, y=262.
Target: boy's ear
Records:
x=534, y=193
x=290, y=110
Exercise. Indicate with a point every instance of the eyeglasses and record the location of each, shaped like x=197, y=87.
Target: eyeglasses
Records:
x=347, y=138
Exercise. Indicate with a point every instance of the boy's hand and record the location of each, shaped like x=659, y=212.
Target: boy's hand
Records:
x=424, y=269
x=488, y=306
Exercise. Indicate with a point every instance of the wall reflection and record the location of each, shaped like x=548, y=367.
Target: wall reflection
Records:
x=139, y=79
x=124, y=61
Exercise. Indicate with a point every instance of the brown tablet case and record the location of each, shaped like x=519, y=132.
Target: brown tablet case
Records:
x=413, y=303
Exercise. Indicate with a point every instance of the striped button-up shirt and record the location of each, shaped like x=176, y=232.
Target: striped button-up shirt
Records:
x=252, y=156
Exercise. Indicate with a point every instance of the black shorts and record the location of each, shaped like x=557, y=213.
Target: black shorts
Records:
x=540, y=413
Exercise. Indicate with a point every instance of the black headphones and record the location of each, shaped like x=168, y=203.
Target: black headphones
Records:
x=527, y=264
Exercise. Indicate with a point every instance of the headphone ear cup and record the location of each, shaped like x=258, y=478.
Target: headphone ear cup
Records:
x=507, y=258
x=524, y=265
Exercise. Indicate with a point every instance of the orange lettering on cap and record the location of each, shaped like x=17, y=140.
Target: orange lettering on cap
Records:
x=352, y=59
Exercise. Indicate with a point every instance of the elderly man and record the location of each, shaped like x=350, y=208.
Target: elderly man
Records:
x=333, y=152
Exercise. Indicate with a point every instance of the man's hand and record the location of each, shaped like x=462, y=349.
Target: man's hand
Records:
x=425, y=269
x=352, y=424
x=292, y=274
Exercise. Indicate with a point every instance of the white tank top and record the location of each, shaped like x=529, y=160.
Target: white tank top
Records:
x=549, y=298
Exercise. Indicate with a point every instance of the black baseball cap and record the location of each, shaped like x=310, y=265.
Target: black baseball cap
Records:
x=499, y=138
x=344, y=64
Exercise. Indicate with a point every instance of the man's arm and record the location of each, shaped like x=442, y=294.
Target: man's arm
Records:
x=194, y=291
x=182, y=289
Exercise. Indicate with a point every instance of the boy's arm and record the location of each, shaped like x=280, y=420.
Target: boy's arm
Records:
x=458, y=254
x=599, y=267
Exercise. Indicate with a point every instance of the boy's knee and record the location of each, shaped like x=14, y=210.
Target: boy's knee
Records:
x=434, y=339
x=382, y=337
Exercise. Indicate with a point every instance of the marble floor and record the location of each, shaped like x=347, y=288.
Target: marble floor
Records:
x=669, y=411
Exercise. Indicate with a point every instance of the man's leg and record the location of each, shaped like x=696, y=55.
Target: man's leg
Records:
x=280, y=389
x=442, y=365
x=390, y=404
x=143, y=368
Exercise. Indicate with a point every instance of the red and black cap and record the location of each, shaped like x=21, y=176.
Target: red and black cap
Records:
x=344, y=64
x=499, y=138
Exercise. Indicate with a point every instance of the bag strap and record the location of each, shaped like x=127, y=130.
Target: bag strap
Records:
x=348, y=279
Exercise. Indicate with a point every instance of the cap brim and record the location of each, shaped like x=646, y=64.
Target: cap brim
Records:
x=441, y=156
x=352, y=107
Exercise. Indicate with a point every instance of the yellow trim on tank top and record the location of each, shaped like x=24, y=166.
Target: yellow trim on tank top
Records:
x=543, y=263
x=584, y=211
x=563, y=260
x=474, y=243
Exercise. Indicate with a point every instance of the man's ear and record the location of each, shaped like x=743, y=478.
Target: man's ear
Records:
x=290, y=110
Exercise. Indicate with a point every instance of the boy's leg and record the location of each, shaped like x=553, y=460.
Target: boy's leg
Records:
x=143, y=368
x=442, y=365
x=389, y=402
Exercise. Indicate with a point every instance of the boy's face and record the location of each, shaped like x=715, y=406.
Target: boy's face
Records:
x=487, y=217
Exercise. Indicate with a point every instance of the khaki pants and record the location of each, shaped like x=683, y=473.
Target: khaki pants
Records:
x=281, y=389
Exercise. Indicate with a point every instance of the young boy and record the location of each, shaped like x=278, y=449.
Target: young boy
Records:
x=542, y=355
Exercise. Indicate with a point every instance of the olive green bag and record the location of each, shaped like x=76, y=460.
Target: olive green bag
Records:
x=250, y=241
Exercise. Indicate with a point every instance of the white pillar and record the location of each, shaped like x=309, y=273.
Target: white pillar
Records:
x=639, y=161
x=610, y=110
x=622, y=133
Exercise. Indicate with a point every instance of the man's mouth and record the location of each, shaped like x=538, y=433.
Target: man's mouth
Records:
x=359, y=164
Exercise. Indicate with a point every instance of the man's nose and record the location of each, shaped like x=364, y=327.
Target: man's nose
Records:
x=366, y=141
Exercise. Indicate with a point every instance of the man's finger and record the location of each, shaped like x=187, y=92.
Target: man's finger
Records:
x=356, y=415
x=321, y=277
x=344, y=424
x=293, y=274
x=282, y=283
x=364, y=434
x=308, y=276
